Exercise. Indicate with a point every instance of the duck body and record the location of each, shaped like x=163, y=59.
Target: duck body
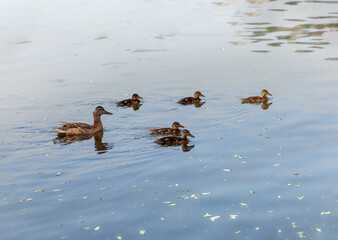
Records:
x=257, y=99
x=174, y=130
x=135, y=100
x=84, y=128
x=175, y=141
x=191, y=100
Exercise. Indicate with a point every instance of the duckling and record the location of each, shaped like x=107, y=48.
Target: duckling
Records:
x=174, y=141
x=84, y=128
x=257, y=99
x=174, y=130
x=191, y=100
x=130, y=102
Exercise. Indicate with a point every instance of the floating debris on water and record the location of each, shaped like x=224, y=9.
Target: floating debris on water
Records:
x=325, y=213
x=97, y=228
x=227, y=170
x=233, y=216
x=214, y=218
x=142, y=232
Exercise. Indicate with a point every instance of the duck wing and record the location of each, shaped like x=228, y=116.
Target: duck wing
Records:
x=76, y=125
x=169, y=141
x=126, y=102
x=252, y=99
x=162, y=131
x=187, y=100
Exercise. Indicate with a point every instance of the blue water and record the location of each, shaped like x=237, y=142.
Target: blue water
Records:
x=250, y=172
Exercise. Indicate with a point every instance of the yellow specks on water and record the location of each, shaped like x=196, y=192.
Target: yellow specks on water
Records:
x=238, y=232
x=207, y=215
x=325, y=213
x=233, y=216
x=119, y=237
x=244, y=205
x=300, y=198
x=97, y=228
x=213, y=219
x=318, y=230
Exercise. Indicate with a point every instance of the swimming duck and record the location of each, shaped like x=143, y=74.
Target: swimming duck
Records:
x=174, y=141
x=191, y=100
x=174, y=130
x=84, y=128
x=257, y=99
x=130, y=102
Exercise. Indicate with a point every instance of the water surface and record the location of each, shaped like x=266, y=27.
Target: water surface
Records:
x=251, y=172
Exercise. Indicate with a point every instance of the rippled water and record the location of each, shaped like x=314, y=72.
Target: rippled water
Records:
x=251, y=172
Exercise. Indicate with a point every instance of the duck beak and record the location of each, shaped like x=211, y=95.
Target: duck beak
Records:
x=202, y=95
x=191, y=135
x=269, y=94
x=181, y=126
x=140, y=97
x=109, y=113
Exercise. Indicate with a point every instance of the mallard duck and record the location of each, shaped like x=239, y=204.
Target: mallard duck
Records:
x=174, y=141
x=257, y=99
x=191, y=100
x=84, y=128
x=130, y=102
x=174, y=130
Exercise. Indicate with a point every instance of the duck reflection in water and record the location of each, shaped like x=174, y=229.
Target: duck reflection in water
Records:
x=100, y=147
x=265, y=105
x=186, y=148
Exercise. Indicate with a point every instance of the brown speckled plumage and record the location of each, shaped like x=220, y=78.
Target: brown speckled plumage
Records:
x=257, y=99
x=174, y=141
x=174, y=130
x=130, y=102
x=83, y=128
x=191, y=100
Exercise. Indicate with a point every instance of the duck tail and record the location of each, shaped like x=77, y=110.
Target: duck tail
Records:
x=59, y=130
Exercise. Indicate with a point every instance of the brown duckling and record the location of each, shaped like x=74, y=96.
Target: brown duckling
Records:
x=174, y=130
x=130, y=102
x=257, y=99
x=174, y=141
x=84, y=128
x=191, y=100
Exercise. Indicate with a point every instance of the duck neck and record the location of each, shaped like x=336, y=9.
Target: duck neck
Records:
x=97, y=121
x=197, y=99
x=184, y=137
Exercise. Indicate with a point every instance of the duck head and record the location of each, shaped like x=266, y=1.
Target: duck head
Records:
x=136, y=96
x=198, y=94
x=265, y=92
x=100, y=111
x=177, y=125
x=186, y=132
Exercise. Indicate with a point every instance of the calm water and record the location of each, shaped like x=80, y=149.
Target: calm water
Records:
x=251, y=172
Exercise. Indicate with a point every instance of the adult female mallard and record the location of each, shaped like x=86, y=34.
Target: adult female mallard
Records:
x=84, y=128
